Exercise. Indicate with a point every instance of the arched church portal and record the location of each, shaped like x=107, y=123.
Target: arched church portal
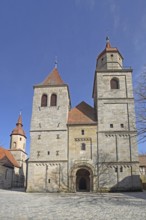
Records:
x=83, y=180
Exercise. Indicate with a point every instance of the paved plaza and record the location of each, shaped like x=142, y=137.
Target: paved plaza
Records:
x=80, y=206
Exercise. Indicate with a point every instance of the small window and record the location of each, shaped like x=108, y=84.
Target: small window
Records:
x=114, y=83
x=116, y=169
x=112, y=55
x=111, y=126
x=48, y=152
x=20, y=139
x=14, y=144
x=121, y=169
x=102, y=58
x=82, y=132
x=44, y=100
x=57, y=136
x=57, y=152
x=122, y=125
x=49, y=180
x=38, y=153
x=39, y=137
x=53, y=101
x=83, y=146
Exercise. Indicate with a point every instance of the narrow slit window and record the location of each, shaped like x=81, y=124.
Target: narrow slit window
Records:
x=57, y=153
x=82, y=132
x=122, y=125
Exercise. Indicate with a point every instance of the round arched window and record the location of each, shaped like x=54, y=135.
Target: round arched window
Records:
x=114, y=83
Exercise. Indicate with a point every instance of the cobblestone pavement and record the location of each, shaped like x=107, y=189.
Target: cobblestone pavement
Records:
x=81, y=206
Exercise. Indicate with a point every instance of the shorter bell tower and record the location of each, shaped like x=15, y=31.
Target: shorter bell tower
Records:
x=17, y=148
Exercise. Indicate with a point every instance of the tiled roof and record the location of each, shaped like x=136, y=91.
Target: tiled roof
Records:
x=7, y=158
x=82, y=114
x=53, y=78
x=108, y=49
x=142, y=160
x=19, y=130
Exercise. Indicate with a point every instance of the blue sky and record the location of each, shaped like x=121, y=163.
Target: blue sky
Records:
x=34, y=32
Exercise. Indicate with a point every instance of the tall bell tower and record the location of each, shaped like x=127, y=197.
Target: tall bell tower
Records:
x=116, y=132
x=48, y=132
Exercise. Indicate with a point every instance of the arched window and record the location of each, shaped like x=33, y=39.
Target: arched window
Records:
x=114, y=83
x=83, y=146
x=44, y=100
x=53, y=101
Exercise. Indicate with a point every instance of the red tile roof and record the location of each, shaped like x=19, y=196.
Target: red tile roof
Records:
x=142, y=160
x=82, y=114
x=7, y=158
x=53, y=78
x=19, y=130
x=109, y=49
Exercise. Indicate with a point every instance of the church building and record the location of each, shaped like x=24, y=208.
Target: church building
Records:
x=86, y=148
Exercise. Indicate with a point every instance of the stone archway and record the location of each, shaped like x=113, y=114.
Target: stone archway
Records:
x=83, y=180
x=82, y=173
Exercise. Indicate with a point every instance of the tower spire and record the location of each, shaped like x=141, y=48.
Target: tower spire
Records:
x=18, y=130
x=56, y=62
x=108, y=42
x=19, y=122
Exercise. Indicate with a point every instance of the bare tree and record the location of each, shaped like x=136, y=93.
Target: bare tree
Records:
x=105, y=167
x=140, y=101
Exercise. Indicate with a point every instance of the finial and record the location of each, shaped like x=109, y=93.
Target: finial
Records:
x=107, y=39
x=107, y=42
x=19, y=118
x=56, y=62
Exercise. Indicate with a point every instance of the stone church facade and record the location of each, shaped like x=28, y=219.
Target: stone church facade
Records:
x=85, y=148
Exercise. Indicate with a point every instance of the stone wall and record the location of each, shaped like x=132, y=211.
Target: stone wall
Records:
x=6, y=177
